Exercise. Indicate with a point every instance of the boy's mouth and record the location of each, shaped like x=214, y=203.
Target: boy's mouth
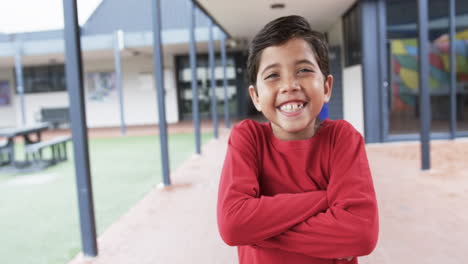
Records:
x=291, y=107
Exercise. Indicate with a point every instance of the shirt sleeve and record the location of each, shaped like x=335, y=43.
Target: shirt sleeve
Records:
x=349, y=227
x=246, y=217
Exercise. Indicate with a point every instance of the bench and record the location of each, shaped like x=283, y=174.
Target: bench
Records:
x=55, y=116
x=58, y=148
x=5, y=153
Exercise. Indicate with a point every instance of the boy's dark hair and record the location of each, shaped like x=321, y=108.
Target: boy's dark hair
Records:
x=278, y=32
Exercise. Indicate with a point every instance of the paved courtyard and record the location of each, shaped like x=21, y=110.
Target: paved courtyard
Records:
x=423, y=215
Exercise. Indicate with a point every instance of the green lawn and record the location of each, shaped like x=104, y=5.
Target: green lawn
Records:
x=39, y=211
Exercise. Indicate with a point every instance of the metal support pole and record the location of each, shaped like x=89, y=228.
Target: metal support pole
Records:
x=74, y=78
x=214, y=99
x=383, y=68
x=159, y=76
x=19, y=81
x=453, y=72
x=193, y=66
x=424, y=96
x=226, y=95
x=118, y=47
x=370, y=70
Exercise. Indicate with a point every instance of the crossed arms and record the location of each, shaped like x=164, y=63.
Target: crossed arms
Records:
x=338, y=222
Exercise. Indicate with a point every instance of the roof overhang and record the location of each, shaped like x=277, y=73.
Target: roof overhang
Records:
x=101, y=46
x=242, y=19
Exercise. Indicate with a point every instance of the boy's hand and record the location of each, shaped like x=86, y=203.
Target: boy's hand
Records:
x=348, y=258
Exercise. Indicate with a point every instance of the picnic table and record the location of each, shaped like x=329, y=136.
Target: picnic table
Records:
x=7, y=149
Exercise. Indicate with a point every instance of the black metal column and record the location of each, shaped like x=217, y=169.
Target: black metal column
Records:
x=214, y=99
x=193, y=66
x=19, y=80
x=383, y=69
x=453, y=71
x=424, y=96
x=370, y=71
x=226, y=95
x=74, y=77
x=118, y=46
x=159, y=79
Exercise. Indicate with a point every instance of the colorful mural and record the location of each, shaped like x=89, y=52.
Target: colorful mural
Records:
x=404, y=53
x=100, y=85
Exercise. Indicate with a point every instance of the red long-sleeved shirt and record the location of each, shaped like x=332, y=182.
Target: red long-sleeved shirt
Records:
x=297, y=202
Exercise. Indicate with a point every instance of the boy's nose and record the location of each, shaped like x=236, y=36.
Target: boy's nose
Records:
x=290, y=85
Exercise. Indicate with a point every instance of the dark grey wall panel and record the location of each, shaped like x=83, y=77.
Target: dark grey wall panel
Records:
x=136, y=16
x=370, y=71
x=335, y=107
x=119, y=14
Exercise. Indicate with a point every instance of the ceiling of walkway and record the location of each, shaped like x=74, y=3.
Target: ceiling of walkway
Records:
x=243, y=18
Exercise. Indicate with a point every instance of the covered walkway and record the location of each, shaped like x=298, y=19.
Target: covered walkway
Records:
x=423, y=215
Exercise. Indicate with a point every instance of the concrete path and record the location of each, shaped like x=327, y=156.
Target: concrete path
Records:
x=423, y=215
x=172, y=225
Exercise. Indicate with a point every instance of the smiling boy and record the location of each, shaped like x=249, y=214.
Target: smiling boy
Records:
x=296, y=189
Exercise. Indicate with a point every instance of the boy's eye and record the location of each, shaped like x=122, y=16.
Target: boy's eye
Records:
x=273, y=75
x=305, y=70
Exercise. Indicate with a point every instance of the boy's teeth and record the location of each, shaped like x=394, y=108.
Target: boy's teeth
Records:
x=291, y=107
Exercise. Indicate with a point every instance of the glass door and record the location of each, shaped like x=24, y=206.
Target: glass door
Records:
x=184, y=78
x=403, y=74
x=402, y=88
x=461, y=53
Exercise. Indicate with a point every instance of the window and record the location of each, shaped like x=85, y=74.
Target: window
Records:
x=184, y=77
x=42, y=79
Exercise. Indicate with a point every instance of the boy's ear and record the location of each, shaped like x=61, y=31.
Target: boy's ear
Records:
x=327, y=88
x=254, y=97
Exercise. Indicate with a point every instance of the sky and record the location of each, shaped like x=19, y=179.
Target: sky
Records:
x=37, y=15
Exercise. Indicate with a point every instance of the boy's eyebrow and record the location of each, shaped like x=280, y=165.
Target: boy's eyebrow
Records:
x=306, y=61
x=270, y=66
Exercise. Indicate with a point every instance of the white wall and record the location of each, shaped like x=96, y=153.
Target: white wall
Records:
x=140, y=101
x=8, y=112
x=34, y=102
x=353, y=103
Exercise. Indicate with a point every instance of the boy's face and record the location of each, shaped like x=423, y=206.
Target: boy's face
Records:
x=291, y=89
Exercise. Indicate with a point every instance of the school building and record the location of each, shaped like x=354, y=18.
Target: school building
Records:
x=373, y=57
